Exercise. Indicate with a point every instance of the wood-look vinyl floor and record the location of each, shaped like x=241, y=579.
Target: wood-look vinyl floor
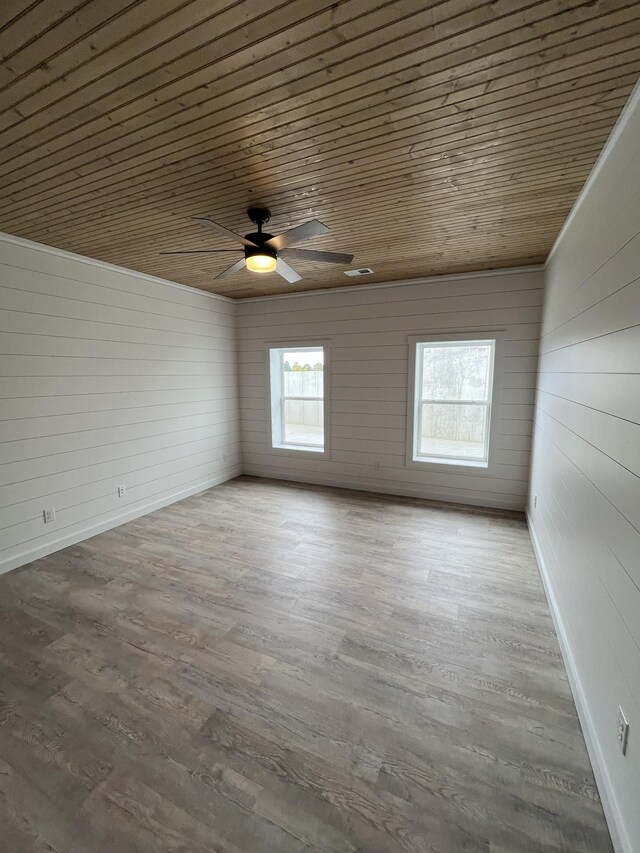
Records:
x=274, y=667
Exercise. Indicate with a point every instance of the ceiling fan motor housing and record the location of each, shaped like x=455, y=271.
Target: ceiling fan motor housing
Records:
x=260, y=248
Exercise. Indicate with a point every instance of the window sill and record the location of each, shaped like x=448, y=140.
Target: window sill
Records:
x=298, y=448
x=461, y=463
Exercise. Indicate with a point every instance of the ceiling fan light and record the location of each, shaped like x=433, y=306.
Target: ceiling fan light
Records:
x=261, y=263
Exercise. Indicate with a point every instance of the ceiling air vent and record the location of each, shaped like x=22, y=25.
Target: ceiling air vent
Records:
x=361, y=271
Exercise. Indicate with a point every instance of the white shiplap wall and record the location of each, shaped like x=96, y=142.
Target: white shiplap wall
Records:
x=106, y=377
x=366, y=329
x=586, y=462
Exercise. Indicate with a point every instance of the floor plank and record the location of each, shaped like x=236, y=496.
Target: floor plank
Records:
x=270, y=666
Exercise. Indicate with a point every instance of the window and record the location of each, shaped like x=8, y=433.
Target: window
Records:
x=452, y=403
x=297, y=398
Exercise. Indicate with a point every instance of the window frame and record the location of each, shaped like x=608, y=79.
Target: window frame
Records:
x=275, y=404
x=444, y=464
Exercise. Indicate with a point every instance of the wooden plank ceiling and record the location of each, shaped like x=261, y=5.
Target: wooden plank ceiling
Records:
x=430, y=137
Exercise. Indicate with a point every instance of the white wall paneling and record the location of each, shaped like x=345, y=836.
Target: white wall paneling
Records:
x=107, y=377
x=586, y=462
x=366, y=330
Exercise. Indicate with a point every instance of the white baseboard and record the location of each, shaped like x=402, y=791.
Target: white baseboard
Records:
x=421, y=493
x=615, y=822
x=53, y=545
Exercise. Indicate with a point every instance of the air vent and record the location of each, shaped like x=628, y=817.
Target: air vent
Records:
x=361, y=271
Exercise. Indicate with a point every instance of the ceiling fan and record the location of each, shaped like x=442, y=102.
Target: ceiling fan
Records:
x=265, y=253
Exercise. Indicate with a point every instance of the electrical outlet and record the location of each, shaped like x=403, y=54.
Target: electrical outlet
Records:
x=122, y=491
x=623, y=731
x=49, y=514
x=535, y=501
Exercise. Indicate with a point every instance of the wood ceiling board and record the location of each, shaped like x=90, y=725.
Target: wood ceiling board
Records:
x=441, y=213
x=430, y=139
x=252, y=132
x=67, y=209
x=385, y=169
x=412, y=154
x=24, y=22
x=380, y=166
x=384, y=200
x=416, y=145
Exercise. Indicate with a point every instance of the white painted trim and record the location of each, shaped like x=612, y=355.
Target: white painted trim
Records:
x=487, y=468
x=62, y=253
x=615, y=822
x=114, y=521
x=618, y=128
x=287, y=450
x=424, y=493
x=359, y=288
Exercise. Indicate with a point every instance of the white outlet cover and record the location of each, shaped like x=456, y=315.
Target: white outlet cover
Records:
x=623, y=731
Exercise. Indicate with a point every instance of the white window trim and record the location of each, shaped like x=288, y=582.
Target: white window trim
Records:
x=298, y=449
x=448, y=465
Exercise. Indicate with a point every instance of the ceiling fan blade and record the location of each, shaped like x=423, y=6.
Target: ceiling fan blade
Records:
x=233, y=268
x=222, y=230
x=199, y=251
x=287, y=272
x=313, y=228
x=321, y=257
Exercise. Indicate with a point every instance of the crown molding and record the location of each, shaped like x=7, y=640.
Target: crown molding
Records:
x=632, y=104
x=63, y=253
x=359, y=288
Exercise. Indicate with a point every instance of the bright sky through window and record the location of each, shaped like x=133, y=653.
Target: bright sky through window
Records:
x=297, y=398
